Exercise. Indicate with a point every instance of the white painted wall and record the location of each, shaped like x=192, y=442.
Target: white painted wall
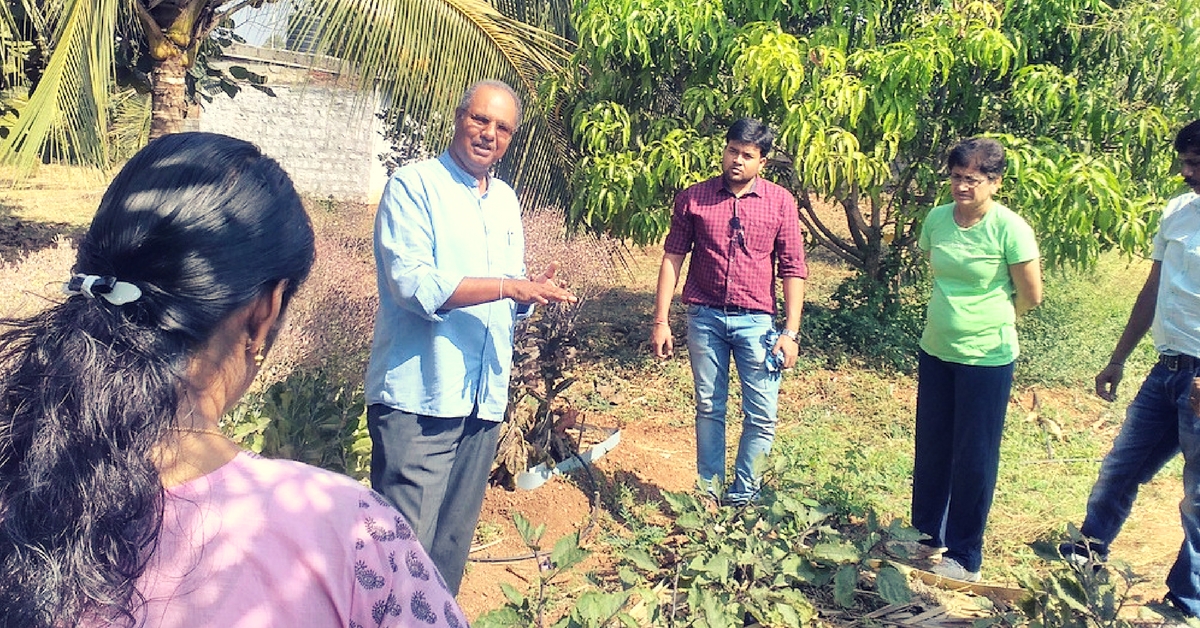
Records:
x=324, y=135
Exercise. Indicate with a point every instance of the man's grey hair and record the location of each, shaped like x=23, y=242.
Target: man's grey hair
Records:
x=493, y=83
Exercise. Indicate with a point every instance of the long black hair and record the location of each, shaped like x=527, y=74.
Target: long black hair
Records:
x=202, y=224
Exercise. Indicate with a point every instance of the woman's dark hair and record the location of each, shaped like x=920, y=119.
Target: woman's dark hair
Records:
x=983, y=153
x=753, y=132
x=202, y=224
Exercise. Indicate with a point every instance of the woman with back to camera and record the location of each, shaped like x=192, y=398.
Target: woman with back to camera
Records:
x=121, y=503
x=984, y=261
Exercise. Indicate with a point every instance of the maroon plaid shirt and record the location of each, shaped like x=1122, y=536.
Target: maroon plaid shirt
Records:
x=732, y=266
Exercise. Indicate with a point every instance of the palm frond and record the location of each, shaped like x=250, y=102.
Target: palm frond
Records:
x=418, y=54
x=66, y=115
x=422, y=54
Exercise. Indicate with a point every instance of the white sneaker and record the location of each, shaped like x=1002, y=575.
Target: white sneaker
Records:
x=912, y=550
x=950, y=568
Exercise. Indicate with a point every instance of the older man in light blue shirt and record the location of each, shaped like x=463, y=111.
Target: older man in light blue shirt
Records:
x=449, y=253
x=462, y=355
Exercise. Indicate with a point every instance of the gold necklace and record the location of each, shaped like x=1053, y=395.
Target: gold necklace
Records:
x=200, y=430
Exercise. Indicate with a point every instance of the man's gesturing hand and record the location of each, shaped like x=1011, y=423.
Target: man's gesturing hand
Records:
x=542, y=289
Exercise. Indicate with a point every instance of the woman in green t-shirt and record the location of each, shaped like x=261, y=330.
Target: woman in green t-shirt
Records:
x=984, y=260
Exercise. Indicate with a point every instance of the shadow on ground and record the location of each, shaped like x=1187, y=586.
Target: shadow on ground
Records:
x=603, y=485
x=614, y=327
x=20, y=237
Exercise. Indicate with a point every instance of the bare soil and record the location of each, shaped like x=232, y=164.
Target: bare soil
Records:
x=652, y=457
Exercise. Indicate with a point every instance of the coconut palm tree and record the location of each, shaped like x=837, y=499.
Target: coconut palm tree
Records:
x=419, y=54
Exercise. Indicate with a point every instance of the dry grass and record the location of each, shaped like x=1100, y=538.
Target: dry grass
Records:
x=329, y=322
x=35, y=281
x=53, y=194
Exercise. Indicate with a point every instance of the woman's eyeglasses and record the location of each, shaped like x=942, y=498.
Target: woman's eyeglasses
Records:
x=970, y=182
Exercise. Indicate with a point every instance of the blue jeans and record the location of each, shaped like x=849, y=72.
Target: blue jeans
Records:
x=1158, y=423
x=712, y=337
x=1149, y=438
x=434, y=471
x=960, y=419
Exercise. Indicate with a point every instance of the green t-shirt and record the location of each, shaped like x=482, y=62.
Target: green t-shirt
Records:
x=971, y=319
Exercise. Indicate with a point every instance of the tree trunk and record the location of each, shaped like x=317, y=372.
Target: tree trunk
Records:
x=168, y=96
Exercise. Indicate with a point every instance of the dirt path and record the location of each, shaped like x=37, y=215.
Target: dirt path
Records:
x=651, y=457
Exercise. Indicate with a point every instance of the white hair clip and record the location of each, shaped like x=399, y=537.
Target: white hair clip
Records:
x=108, y=288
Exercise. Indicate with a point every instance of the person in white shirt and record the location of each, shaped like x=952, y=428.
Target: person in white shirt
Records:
x=1163, y=418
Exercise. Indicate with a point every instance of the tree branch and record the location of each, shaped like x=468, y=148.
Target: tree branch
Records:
x=854, y=219
x=824, y=235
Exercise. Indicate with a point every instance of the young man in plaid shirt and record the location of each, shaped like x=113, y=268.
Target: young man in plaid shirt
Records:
x=742, y=231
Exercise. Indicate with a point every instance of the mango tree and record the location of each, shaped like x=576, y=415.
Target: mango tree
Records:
x=868, y=95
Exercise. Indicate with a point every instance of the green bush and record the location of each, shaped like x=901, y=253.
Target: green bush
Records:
x=869, y=321
x=1092, y=594
x=772, y=562
x=309, y=418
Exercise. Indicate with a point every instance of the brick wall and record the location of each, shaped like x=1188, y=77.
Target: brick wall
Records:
x=324, y=134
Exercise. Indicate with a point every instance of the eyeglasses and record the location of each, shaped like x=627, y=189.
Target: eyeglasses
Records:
x=970, y=182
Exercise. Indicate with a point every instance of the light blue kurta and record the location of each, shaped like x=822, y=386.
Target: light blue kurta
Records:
x=432, y=230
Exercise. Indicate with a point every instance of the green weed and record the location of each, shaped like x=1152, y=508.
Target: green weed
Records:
x=722, y=565
x=1090, y=595
x=306, y=417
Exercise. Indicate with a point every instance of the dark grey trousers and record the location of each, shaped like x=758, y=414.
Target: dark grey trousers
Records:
x=434, y=470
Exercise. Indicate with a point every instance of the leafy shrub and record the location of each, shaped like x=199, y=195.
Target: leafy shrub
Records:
x=535, y=426
x=1091, y=594
x=1068, y=339
x=877, y=322
x=309, y=418
x=763, y=562
x=720, y=565
x=593, y=608
x=546, y=346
